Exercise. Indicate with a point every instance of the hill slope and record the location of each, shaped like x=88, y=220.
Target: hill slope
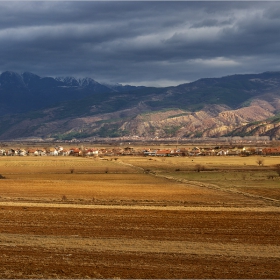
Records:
x=64, y=108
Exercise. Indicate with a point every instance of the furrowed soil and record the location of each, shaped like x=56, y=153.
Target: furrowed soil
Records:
x=92, y=218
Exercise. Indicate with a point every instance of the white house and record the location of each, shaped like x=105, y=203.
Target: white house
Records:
x=53, y=152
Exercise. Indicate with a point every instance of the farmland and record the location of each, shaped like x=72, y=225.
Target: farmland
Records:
x=139, y=217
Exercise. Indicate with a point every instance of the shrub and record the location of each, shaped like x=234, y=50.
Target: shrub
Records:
x=199, y=167
x=2, y=177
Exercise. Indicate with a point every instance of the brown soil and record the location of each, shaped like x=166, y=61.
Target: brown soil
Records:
x=70, y=242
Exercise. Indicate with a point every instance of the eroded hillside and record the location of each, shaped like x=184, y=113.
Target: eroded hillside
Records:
x=235, y=105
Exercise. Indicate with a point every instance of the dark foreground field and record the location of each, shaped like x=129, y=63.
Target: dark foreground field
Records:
x=129, y=224
x=59, y=242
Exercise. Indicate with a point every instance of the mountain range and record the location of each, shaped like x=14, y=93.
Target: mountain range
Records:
x=67, y=107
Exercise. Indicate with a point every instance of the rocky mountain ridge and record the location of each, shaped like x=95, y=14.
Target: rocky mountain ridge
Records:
x=25, y=92
x=235, y=105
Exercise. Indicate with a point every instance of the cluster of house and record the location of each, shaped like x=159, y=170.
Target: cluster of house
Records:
x=194, y=151
x=57, y=151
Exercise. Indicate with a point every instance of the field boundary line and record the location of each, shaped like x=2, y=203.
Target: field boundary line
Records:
x=203, y=185
x=216, y=187
x=130, y=165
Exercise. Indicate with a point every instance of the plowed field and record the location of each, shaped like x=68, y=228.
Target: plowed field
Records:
x=128, y=224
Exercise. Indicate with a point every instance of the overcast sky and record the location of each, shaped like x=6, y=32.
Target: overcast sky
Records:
x=140, y=43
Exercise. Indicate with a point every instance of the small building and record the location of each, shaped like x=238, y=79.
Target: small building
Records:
x=53, y=152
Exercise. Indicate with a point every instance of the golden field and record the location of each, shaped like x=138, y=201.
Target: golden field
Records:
x=235, y=173
x=139, y=217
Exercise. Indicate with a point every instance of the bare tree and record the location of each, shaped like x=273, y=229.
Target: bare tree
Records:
x=260, y=161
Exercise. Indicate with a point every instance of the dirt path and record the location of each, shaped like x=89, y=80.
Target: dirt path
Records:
x=139, y=207
x=218, y=188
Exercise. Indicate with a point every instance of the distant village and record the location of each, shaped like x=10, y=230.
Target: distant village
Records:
x=130, y=151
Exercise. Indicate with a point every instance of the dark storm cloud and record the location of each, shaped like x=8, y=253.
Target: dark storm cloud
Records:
x=156, y=43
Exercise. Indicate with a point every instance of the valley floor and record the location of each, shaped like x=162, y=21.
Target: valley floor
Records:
x=112, y=219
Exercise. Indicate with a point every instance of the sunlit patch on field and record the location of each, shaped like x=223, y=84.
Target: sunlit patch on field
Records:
x=87, y=180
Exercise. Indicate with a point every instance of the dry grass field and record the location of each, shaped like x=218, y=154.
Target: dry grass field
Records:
x=139, y=217
x=235, y=173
